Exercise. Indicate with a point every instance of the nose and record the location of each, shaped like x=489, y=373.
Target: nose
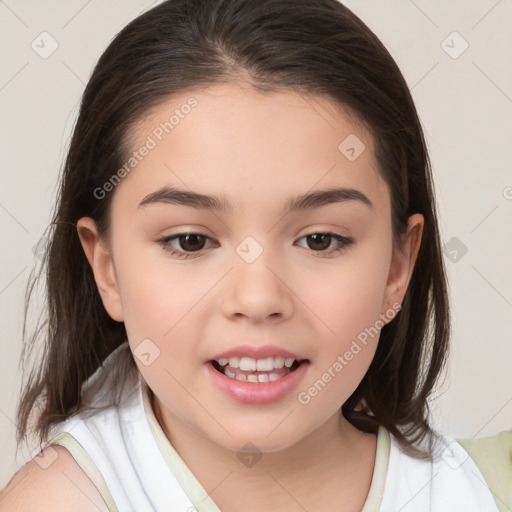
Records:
x=258, y=291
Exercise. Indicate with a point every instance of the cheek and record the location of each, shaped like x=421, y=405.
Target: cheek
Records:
x=160, y=307
x=347, y=295
x=158, y=294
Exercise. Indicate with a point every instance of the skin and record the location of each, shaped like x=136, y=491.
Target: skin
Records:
x=257, y=148
x=58, y=487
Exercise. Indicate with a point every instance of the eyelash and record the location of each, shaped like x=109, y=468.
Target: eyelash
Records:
x=344, y=242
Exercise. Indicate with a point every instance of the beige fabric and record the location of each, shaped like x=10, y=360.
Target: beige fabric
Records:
x=493, y=456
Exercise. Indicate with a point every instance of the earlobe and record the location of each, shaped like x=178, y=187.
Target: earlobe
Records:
x=100, y=259
x=403, y=261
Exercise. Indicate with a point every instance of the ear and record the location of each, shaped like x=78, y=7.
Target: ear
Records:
x=402, y=264
x=102, y=265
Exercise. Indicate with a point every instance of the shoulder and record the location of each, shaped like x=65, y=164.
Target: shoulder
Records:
x=53, y=481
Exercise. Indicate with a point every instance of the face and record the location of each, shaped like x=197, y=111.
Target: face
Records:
x=292, y=295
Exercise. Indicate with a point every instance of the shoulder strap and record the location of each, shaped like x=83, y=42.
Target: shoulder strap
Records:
x=493, y=456
x=87, y=465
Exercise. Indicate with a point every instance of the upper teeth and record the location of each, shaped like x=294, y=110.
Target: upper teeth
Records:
x=261, y=365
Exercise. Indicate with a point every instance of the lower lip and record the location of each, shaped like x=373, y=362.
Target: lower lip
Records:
x=258, y=392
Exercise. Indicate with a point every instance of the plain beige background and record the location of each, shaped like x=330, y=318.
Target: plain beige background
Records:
x=462, y=85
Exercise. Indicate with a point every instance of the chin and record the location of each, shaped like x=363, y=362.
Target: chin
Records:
x=260, y=437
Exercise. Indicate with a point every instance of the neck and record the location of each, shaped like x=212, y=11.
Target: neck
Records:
x=334, y=455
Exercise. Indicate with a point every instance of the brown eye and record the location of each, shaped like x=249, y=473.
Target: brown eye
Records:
x=184, y=245
x=320, y=243
x=191, y=242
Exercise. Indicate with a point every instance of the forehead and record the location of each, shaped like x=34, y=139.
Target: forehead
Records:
x=240, y=109
x=245, y=142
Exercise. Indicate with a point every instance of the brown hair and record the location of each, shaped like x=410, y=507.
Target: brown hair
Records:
x=311, y=46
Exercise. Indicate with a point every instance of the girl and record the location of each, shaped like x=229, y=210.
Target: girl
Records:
x=283, y=361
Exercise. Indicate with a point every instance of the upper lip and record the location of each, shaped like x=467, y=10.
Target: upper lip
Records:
x=260, y=352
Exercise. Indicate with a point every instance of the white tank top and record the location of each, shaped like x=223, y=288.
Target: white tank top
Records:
x=125, y=453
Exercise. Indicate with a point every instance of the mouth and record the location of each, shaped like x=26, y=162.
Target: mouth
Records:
x=247, y=369
x=256, y=375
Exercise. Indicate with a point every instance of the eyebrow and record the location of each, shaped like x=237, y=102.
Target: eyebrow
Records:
x=308, y=201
